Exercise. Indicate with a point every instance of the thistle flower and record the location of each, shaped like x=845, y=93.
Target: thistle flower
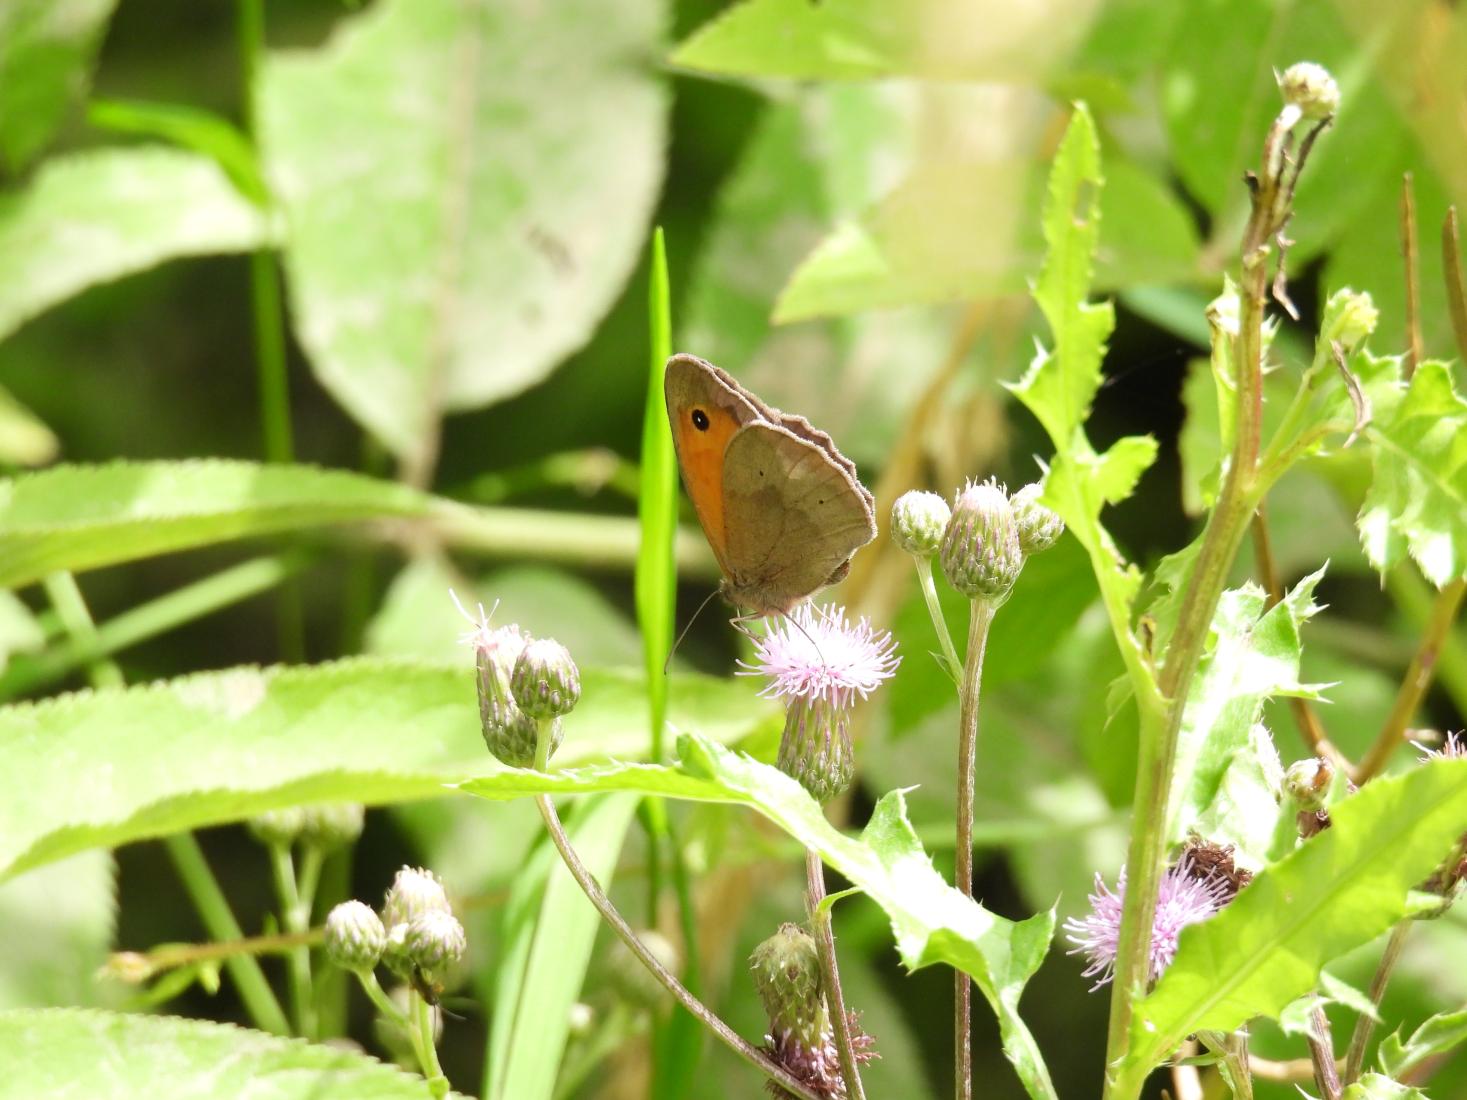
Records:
x=1447, y=879
x=414, y=891
x=509, y=733
x=816, y=749
x=980, y=555
x=1454, y=746
x=355, y=937
x=1182, y=899
x=1310, y=89
x=434, y=941
x=1206, y=860
x=545, y=680
x=917, y=522
x=1039, y=527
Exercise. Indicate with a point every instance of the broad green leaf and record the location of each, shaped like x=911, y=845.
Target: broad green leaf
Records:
x=956, y=230
x=59, y=924
x=108, y=767
x=1417, y=503
x=1441, y=1033
x=24, y=439
x=560, y=937
x=82, y=517
x=1373, y=1086
x=79, y=1053
x=485, y=217
x=1337, y=891
x=46, y=53
x=1255, y=655
x=977, y=40
x=89, y=218
x=931, y=921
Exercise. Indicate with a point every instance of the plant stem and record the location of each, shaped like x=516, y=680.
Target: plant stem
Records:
x=76, y=619
x=137, y=966
x=980, y=617
x=259, y=1000
x=820, y=917
x=939, y=622
x=1322, y=1054
x=1234, y=1049
x=295, y=915
x=1364, y=1025
x=428, y=1044
x=1415, y=683
x=1415, y=351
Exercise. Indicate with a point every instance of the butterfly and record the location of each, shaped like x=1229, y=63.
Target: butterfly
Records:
x=782, y=509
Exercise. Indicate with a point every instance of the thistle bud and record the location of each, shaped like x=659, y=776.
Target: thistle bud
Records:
x=1309, y=88
x=545, y=681
x=434, y=941
x=278, y=828
x=1307, y=782
x=786, y=970
x=332, y=825
x=980, y=546
x=355, y=937
x=917, y=522
x=816, y=748
x=1349, y=319
x=413, y=892
x=508, y=731
x=1039, y=528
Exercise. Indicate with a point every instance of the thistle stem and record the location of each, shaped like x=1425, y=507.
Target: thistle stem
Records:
x=1322, y=1054
x=980, y=618
x=840, y=1023
x=428, y=1045
x=1360, y=1039
x=939, y=621
x=295, y=920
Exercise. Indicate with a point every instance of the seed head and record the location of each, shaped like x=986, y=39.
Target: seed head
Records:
x=1311, y=89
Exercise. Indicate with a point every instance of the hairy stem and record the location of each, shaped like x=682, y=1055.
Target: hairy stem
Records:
x=835, y=1001
x=1322, y=1054
x=1360, y=1038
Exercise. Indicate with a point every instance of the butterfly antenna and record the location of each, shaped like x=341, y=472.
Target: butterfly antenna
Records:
x=667, y=664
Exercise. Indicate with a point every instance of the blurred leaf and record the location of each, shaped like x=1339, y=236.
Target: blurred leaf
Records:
x=1336, y=891
x=19, y=631
x=932, y=922
x=1418, y=499
x=24, y=439
x=71, y=1052
x=199, y=131
x=82, y=517
x=46, y=53
x=560, y=935
x=1372, y=1086
x=90, y=218
x=108, y=767
x=960, y=230
x=1441, y=1033
x=506, y=208
x=985, y=40
x=1255, y=655
x=59, y=923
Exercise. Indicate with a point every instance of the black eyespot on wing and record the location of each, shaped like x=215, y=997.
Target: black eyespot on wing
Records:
x=700, y=420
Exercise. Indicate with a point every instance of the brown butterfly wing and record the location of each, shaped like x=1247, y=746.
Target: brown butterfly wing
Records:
x=793, y=516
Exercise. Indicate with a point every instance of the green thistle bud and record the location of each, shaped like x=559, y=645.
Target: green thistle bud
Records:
x=1307, y=782
x=980, y=547
x=1310, y=88
x=332, y=825
x=786, y=970
x=816, y=747
x=917, y=522
x=413, y=892
x=1349, y=319
x=434, y=941
x=509, y=732
x=395, y=952
x=355, y=937
x=1039, y=528
x=545, y=681
x=278, y=828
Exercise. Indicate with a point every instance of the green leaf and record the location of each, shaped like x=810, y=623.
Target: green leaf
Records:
x=24, y=439
x=71, y=1052
x=191, y=128
x=59, y=924
x=1338, y=890
x=560, y=937
x=1373, y=1086
x=1255, y=655
x=90, y=218
x=931, y=921
x=509, y=209
x=108, y=767
x=46, y=53
x=82, y=517
x=1417, y=502
x=1441, y=1033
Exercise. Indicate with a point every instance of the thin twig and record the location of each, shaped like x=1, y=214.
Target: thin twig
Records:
x=1355, y=1056
x=1322, y=1054
x=139, y=966
x=835, y=1001
x=1415, y=683
x=1293, y=1072
x=1414, y=353
x=1452, y=276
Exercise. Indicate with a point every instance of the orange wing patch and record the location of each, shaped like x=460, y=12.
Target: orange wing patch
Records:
x=702, y=432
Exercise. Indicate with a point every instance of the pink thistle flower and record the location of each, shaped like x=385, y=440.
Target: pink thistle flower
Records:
x=1453, y=747
x=1182, y=899
x=499, y=644
x=815, y=655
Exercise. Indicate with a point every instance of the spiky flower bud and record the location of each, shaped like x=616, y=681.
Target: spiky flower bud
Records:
x=1039, y=528
x=816, y=748
x=1310, y=88
x=980, y=554
x=1307, y=782
x=508, y=731
x=331, y=825
x=355, y=937
x=413, y=892
x=278, y=828
x=1349, y=318
x=786, y=969
x=434, y=941
x=545, y=681
x=917, y=522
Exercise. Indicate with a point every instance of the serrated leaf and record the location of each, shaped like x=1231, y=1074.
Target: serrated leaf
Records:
x=46, y=53
x=932, y=922
x=506, y=209
x=1373, y=1086
x=109, y=767
x=89, y=218
x=1417, y=502
x=1338, y=890
x=78, y=1053
x=1441, y=1033
x=82, y=517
